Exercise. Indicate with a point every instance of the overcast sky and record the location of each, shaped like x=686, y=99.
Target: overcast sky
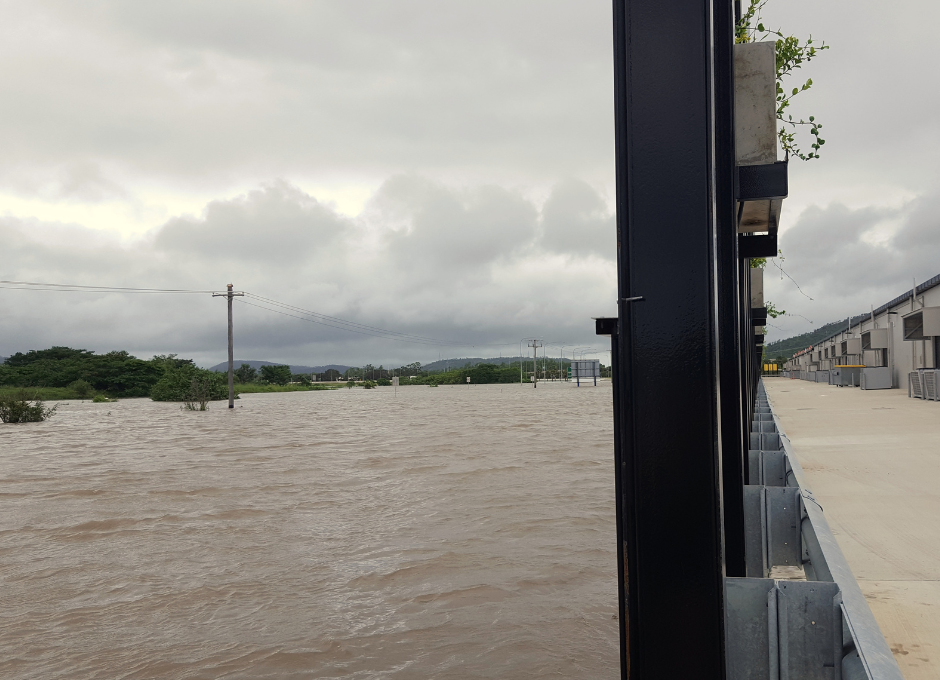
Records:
x=441, y=169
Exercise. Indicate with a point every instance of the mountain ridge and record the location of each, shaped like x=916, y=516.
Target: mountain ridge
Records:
x=294, y=368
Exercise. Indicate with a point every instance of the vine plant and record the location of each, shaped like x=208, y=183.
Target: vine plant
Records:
x=791, y=54
x=760, y=263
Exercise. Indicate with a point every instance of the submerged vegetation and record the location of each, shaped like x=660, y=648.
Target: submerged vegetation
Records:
x=481, y=374
x=190, y=385
x=24, y=407
x=258, y=388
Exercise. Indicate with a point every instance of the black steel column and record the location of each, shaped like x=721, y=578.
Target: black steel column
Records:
x=668, y=360
x=626, y=589
x=734, y=439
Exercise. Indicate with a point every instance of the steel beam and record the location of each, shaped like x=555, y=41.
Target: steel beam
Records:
x=671, y=478
x=733, y=444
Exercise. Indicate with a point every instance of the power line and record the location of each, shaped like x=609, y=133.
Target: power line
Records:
x=81, y=288
x=354, y=326
x=390, y=335
x=266, y=303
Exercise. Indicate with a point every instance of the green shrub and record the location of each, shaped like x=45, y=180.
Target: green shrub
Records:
x=82, y=388
x=102, y=399
x=384, y=382
x=19, y=409
x=350, y=383
x=245, y=374
x=369, y=385
x=190, y=384
x=276, y=375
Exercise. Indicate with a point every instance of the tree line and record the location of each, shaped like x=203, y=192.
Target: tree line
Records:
x=84, y=374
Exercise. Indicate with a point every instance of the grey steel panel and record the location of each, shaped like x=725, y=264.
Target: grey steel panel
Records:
x=769, y=441
x=768, y=426
x=783, y=630
x=774, y=468
x=755, y=441
x=751, y=629
x=809, y=619
x=755, y=554
x=754, y=473
x=784, y=546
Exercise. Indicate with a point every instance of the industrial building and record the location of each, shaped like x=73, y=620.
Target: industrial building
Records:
x=897, y=346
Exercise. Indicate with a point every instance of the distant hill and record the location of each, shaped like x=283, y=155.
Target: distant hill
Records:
x=444, y=364
x=293, y=369
x=790, y=346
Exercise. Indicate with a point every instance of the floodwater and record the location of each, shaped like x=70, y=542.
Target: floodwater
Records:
x=446, y=532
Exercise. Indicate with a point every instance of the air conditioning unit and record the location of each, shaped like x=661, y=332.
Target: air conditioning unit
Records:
x=846, y=376
x=878, y=378
x=922, y=324
x=876, y=338
x=915, y=387
x=852, y=346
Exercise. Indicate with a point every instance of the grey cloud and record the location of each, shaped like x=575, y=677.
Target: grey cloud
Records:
x=456, y=264
x=87, y=182
x=456, y=230
x=850, y=259
x=575, y=219
x=201, y=90
x=276, y=224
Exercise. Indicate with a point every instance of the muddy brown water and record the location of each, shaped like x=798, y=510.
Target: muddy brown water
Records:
x=447, y=532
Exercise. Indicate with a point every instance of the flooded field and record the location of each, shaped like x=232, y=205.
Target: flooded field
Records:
x=448, y=532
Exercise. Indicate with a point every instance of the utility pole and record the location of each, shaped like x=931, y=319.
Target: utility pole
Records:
x=230, y=295
x=535, y=344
